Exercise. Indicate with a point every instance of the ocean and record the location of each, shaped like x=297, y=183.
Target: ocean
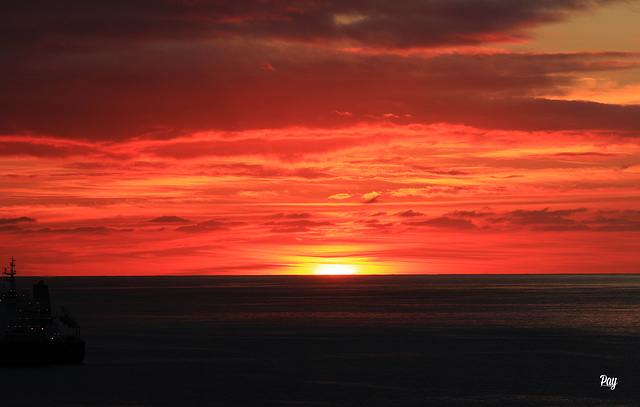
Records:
x=463, y=340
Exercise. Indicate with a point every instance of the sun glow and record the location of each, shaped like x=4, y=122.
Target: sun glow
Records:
x=335, y=269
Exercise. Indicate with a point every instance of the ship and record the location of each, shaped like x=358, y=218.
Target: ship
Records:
x=30, y=334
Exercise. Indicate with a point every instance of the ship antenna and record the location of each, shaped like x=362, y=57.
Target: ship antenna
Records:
x=11, y=273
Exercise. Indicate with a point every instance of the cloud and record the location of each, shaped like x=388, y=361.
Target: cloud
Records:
x=545, y=114
x=562, y=228
x=44, y=147
x=544, y=216
x=285, y=148
x=543, y=220
x=169, y=219
x=297, y=226
x=340, y=196
x=563, y=220
x=627, y=221
x=293, y=229
x=301, y=215
x=409, y=214
x=376, y=224
x=629, y=227
x=586, y=154
x=22, y=219
x=209, y=226
x=10, y=228
x=310, y=173
x=371, y=197
x=430, y=191
x=469, y=214
x=432, y=170
x=445, y=222
x=89, y=230
x=107, y=25
x=258, y=170
x=122, y=89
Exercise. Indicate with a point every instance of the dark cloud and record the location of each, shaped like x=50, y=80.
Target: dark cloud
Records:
x=445, y=222
x=89, y=230
x=469, y=214
x=257, y=170
x=409, y=213
x=310, y=173
x=88, y=166
x=119, y=69
x=99, y=230
x=7, y=221
x=560, y=220
x=627, y=221
x=209, y=226
x=544, y=216
x=303, y=222
x=301, y=215
x=287, y=149
x=433, y=170
x=10, y=228
x=628, y=227
x=451, y=172
x=562, y=228
x=543, y=114
x=589, y=154
x=169, y=219
x=295, y=226
x=294, y=229
x=376, y=224
x=69, y=25
x=38, y=148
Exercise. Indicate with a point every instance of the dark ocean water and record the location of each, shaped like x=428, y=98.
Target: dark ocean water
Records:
x=343, y=341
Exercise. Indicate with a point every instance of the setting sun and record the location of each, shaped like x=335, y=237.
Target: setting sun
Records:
x=335, y=269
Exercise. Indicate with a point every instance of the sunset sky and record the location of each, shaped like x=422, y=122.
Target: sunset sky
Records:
x=286, y=137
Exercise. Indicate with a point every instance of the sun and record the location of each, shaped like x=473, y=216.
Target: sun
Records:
x=335, y=269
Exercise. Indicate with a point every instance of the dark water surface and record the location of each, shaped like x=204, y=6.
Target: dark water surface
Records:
x=343, y=341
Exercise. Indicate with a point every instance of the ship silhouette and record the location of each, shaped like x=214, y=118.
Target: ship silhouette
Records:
x=30, y=333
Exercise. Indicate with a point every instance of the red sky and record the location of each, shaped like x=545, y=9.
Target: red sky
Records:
x=270, y=137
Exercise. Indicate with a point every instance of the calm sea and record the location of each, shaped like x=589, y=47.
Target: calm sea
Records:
x=343, y=341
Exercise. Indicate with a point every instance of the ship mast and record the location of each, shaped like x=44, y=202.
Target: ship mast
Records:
x=11, y=273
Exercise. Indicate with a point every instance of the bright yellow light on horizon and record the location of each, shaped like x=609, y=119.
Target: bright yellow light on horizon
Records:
x=335, y=269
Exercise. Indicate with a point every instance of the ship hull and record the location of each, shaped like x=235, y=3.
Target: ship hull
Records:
x=42, y=353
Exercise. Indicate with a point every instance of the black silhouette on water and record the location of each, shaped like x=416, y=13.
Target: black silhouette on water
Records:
x=30, y=334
